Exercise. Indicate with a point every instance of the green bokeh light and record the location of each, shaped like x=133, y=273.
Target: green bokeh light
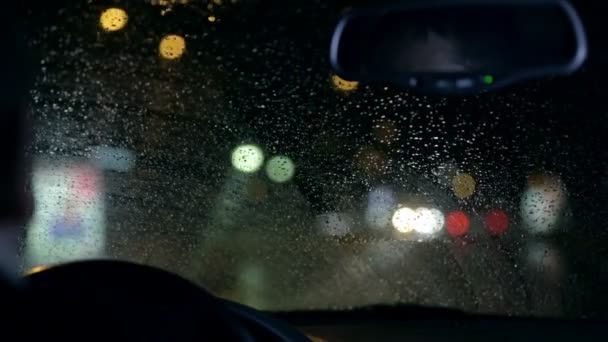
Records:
x=280, y=169
x=247, y=158
x=488, y=79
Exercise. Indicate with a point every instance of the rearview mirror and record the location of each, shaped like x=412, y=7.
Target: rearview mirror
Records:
x=459, y=46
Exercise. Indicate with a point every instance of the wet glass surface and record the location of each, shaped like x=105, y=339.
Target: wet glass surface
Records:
x=212, y=139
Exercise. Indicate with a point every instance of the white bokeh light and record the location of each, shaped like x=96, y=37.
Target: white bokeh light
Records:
x=422, y=220
x=280, y=169
x=404, y=219
x=247, y=158
x=542, y=204
x=429, y=221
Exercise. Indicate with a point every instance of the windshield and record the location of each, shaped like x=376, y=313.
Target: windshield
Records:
x=211, y=139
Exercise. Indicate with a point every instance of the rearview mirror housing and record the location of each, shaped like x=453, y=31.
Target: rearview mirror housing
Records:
x=459, y=46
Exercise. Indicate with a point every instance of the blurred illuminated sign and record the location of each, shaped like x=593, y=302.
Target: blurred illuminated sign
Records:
x=68, y=223
x=542, y=203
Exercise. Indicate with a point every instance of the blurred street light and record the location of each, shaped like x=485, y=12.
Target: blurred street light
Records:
x=280, y=169
x=463, y=185
x=247, y=158
x=342, y=84
x=113, y=19
x=172, y=47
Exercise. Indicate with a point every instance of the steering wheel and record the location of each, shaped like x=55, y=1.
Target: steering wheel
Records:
x=120, y=300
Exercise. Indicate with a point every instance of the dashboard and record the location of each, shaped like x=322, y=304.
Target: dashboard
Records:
x=456, y=330
x=108, y=299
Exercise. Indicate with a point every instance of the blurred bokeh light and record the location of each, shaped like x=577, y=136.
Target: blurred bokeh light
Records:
x=69, y=220
x=380, y=204
x=404, y=219
x=36, y=269
x=113, y=19
x=429, y=221
x=280, y=169
x=542, y=203
x=422, y=220
x=342, y=84
x=247, y=158
x=457, y=223
x=172, y=47
x=463, y=185
x=497, y=222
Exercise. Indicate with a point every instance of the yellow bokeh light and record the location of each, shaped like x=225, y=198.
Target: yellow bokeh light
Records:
x=172, y=47
x=463, y=185
x=113, y=19
x=36, y=269
x=211, y=18
x=343, y=84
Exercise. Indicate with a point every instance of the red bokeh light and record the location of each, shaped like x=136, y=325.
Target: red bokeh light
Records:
x=457, y=223
x=497, y=222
